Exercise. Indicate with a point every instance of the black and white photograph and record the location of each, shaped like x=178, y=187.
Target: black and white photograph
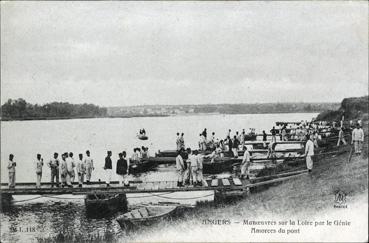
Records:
x=184, y=121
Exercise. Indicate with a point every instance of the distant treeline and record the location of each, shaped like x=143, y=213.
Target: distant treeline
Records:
x=19, y=109
x=265, y=108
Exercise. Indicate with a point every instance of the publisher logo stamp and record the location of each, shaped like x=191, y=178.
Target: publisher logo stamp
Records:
x=340, y=199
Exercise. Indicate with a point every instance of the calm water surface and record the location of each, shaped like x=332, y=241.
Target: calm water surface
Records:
x=66, y=214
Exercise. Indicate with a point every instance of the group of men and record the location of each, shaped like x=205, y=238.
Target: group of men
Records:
x=67, y=169
x=189, y=166
x=180, y=141
x=139, y=154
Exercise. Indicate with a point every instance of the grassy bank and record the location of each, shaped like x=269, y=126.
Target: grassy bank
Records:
x=306, y=197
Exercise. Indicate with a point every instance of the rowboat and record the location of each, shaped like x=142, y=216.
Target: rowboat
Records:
x=104, y=203
x=142, y=137
x=146, y=215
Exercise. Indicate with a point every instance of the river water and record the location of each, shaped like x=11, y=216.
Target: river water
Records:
x=66, y=214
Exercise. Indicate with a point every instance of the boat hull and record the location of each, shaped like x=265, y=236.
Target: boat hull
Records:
x=103, y=204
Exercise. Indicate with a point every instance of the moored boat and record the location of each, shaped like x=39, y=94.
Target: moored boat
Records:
x=145, y=216
x=141, y=166
x=105, y=203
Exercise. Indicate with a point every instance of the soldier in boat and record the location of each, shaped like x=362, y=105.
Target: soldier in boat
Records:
x=245, y=163
x=145, y=152
x=235, y=144
x=202, y=142
x=181, y=140
x=178, y=142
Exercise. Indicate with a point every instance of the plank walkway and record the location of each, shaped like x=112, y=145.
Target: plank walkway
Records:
x=140, y=187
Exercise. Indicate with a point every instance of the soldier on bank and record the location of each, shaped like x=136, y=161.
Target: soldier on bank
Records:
x=54, y=169
x=11, y=169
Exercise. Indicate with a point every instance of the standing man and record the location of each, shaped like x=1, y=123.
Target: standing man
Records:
x=204, y=133
x=108, y=168
x=180, y=168
x=54, y=168
x=188, y=174
x=194, y=168
x=199, y=175
x=202, y=144
x=341, y=137
x=273, y=132
x=229, y=133
x=11, y=170
x=235, y=146
x=284, y=133
x=122, y=168
x=243, y=137
x=357, y=139
x=89, y=164
x=63, y=171
x=264, y=138
x=181, y=139
x=70, y=168
x=245, y=163
x=81, y=170
x=309, y=152
x=178, y=142
x=38, y=168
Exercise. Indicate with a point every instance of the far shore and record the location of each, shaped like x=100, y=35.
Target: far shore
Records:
x=134, y=116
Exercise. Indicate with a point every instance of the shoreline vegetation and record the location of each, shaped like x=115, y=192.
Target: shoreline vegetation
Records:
x=20, y=109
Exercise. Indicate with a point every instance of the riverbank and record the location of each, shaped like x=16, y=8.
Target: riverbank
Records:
x=306, y=198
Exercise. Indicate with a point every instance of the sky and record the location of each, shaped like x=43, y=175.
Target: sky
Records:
x=136, y=53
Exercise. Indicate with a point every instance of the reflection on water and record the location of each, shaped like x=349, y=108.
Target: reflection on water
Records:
x=55, y=217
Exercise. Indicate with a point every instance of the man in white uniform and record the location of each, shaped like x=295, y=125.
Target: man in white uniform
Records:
x=89, y=165
x=180, y=168
x=357, y=138
x=341, y=137
x=245, y=163
x=309, y=152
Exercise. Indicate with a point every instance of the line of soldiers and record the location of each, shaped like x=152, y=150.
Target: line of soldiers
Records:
x=65, y=168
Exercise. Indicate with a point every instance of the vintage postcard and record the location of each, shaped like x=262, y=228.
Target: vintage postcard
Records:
x=184, y=121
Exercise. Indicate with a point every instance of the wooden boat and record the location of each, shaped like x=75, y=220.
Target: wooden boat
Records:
x=142, y=137
x=141, y=166
x=145, y=216
x=100, y=204
x=250, y=137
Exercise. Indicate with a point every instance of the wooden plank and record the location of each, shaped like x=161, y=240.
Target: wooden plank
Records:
x=226, y=182
x=237, y=181
x=214, y=182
